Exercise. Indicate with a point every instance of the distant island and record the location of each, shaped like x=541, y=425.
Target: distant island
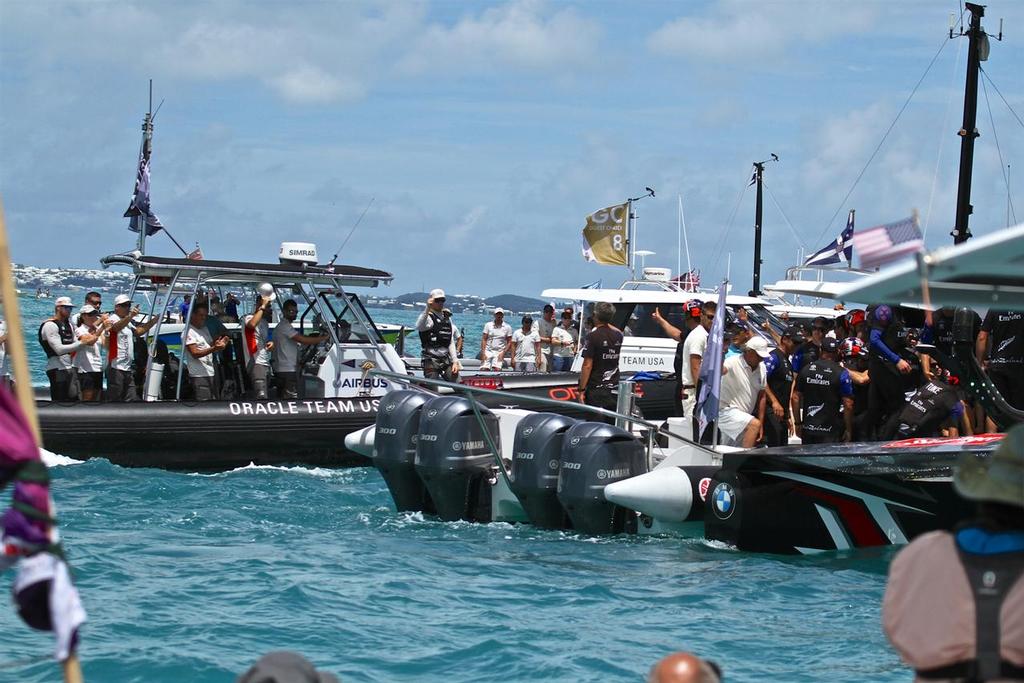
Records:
x=460, y=303
x=33, y=277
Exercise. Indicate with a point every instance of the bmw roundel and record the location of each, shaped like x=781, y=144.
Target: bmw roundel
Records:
x=723, y=500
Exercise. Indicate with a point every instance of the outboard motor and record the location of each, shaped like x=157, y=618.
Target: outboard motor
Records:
x=454, y=460
x=536, y=452
x=394, y=449
x=594, y=455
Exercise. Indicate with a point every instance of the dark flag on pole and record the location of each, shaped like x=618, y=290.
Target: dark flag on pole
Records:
x=139, y=210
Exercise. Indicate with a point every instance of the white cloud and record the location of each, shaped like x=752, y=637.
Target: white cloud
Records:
x=457, y=235
x=738, y=31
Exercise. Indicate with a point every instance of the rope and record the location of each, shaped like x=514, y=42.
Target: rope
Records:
x=882, y=141
x=796, y=237
x=942, y=141
x=996, y=88
x=1002, y=164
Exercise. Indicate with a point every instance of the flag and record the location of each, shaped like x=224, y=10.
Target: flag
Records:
x=606, y=235
x=196, y=254
x=711, y=368
x=753, y=178
x=839, y=251
x=139, y=210
x=886, y=243
x=596, y=284
x=688, y=281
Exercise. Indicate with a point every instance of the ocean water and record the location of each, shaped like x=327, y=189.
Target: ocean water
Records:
x=190, y=577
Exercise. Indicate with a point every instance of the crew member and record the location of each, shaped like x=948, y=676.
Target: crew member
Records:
x=810, y=350
x=599, y=376
x=545, y=326
x=494, y=342
x=526, y=347
x=259, y=344
x=57, y=338
x=121, y=349
x=94, y=299
x=200, y=347
x=954, y=602
x=1000, y=350
x=437, y=340
x=853, y=356
x=824, y=392
x=885, y=341
x=88, y=360
x=691, y=320
x=779, y=387
x=933, y=408
x=286, y=350
x=741, y=412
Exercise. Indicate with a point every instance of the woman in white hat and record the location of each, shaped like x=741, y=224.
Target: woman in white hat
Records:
x=88, y=360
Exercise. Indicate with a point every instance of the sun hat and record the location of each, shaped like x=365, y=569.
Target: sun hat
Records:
x=285, y=667
x=998, y=478
x=122, y=299
x=437, y=294
x=62, y=301
x=757, y=345
x=267, y=290
x=499, y=310
x=87, y=309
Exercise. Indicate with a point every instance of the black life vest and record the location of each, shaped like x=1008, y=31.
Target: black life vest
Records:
x=860, y=391
x=438, y=338
x=894, y=336
x=677, y=364
x=925, y=412
x=822, y=398
x=67, y=336
x=991, y=578
x=781, y=379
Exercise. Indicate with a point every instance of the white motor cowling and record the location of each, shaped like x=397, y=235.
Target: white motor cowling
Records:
x=298, y=252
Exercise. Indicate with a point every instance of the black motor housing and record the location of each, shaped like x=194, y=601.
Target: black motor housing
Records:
x=536, y=453
x=454, y=460
x=394, y=449
x=594, y=455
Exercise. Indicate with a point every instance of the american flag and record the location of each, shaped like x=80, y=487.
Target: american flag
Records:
x=196, y=254
x=688, y=281
x=885, y=243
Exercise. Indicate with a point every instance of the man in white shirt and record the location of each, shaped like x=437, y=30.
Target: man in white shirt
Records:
x=693, y=354
x=259, y=344
x=743, y=385
x=199, y=350
x=526, y=346
x=286, y=350
x=121, y=349
x=57, y=338
x=494, y=342
x=545, y=326
x=563, y=341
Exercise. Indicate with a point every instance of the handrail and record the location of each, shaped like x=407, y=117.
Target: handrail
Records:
x=601, y=412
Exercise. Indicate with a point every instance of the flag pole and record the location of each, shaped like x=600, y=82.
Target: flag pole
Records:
x=630, y=238
x=147, y=148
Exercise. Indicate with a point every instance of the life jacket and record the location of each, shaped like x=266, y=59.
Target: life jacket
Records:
x=820, y=384
x=67, y=336
x=780, y=381
x=926, y=410
x=438, y=338
x=677, y=363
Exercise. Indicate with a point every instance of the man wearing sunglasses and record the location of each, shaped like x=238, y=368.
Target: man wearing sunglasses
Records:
x=437, y=340
x=121, y=349
x=57, y=338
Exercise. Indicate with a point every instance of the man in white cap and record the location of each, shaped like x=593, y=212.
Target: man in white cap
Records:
x=495, y=341
x=741, y=405
x=121, y=349
x=437, y=340
x=954, y=602
x=57, y=338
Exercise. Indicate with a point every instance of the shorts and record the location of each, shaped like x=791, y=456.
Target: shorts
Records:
x=523, y=366
x=732, y=422
x=120, y=386
x=561, y=363
x=205, y=388
x=90, y=381
x=490, y=361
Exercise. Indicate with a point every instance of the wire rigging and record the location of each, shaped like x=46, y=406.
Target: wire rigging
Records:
x=1000, y=93
x=799, y=242
x=942, y=141
x=720, y=245
x=999, y=151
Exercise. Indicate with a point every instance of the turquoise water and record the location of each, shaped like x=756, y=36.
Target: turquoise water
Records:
x=190, y=577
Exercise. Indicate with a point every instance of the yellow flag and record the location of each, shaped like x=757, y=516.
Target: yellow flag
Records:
x=605, y=236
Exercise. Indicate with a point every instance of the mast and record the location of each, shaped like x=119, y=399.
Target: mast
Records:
x=758, y=173
x=977, y=52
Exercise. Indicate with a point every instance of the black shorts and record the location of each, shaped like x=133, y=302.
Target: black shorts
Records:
x=90, y=381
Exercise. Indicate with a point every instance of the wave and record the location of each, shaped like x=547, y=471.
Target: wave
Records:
x=56, y=459
x=322, y=472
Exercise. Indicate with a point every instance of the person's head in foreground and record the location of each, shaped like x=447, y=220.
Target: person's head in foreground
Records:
x=285, y=667
x=683, y=667
x=996, y=483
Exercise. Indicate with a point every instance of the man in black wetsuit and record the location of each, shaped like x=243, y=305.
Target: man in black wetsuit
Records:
x=691, y=313
x=811, y=349
x=886, y=339
x=437, y=343
x=824, y=392
x=599, y=376
x=780, y=387
x=1000, y=350
x=934, y=406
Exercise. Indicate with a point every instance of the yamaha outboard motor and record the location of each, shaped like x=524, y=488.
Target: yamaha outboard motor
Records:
x=394, y=448
x=594, y=455
x=536, y=452
x=454, y=460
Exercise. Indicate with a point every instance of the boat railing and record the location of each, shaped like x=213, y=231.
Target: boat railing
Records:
x=625, y=420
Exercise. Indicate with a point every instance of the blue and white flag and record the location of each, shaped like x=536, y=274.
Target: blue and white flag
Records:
x=889, y=242
x=139, y=210
x=593, y=285
x=711, y=368
x=839, y=251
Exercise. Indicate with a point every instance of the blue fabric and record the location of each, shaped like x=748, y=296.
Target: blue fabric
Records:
x=878, y=345
x=979, y=541
x=957, y=411
x=641, y=376
x=927, y=334
x=845, y=384
x=797, y=360
x=771, y=363
x=732, y=351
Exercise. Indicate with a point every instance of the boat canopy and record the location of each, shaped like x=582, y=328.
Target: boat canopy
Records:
x=212, y=272
x=637, y=296
x=987, y=272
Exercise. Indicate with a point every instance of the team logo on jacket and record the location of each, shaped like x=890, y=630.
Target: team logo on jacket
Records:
x=723, y=500
x=814, y=410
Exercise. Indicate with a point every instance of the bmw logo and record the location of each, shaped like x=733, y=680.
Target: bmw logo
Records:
x=431, y=413
x=723, y=500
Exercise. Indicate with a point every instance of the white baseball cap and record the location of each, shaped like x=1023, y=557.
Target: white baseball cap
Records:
x=122, y=299
x=758, y=345
x=62, y=301
x=267, y=289
x=437, y=294
x=87, y=309
x=499, y=310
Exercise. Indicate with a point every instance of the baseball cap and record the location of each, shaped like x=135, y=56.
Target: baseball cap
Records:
x=499, y=310
x=830, y=345
x=87, y=309
x=63, y=301
x=758, y=345
x=998, y=478
x=795, y=333
x=692, y=308
x=437, y=294
x=122, y=299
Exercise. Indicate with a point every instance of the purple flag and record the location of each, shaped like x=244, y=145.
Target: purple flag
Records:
x=711, y=368
x=139, y=210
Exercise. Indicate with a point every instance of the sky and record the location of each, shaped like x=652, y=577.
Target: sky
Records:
x=481, y=134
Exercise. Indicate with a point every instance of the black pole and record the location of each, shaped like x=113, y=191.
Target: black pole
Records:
x=961, y=231
x=758, y=171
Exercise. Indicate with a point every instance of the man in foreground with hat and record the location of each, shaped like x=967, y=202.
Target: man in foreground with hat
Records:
x=954, y=603
x=437, y=340
x=121, y=349
x=57, y=338
x=741, y=412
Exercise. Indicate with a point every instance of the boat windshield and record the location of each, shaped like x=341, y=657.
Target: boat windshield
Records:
x=635, y=319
